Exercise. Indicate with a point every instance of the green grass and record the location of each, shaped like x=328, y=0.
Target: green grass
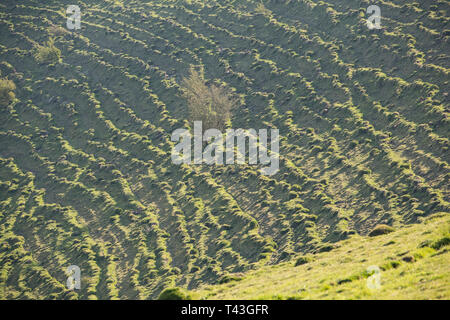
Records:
x=341, y=273
x=86, y=176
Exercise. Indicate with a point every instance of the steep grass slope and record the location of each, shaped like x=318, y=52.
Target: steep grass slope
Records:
x=412, y=264
x=86, y=176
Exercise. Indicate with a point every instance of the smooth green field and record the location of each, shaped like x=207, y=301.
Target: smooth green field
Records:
x=414, y=264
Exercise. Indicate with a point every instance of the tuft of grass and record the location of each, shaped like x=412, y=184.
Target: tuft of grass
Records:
x=438, y=244
x=325, y=248
x=390, y=265
x=380, y=230
x=303, y=260
x=229, y=278
x=174, y=293
x=422, y=253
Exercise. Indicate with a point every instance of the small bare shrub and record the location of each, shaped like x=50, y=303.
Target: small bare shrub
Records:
x=48, y=53
x=210, y=104
x=6, y=91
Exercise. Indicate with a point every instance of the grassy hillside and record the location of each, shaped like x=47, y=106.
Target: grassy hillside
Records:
x=86, y=176
x=413, y=264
